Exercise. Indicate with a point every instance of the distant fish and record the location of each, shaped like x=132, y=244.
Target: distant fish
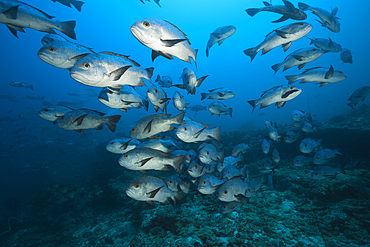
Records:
x=228, y=207
x=328, y=20
x=164, y=81
x=158, y=97
x=299, y=116
x=35, y=97
x=52, y=113
x=219, y=35
x=287, y=10
x=208, y=184
x=309, y=145
x=156, y=1
x=189, y=81
x=278, y=94
x=240, y=148
x=218, y=108
x=327, y=45
x=218, y=94
x=275, y=156
x=346, y=56
x=265, y=146
x=68, y=3
x=127, y=98
x=323, y=172
x=20, y=84
x=122, y=145
x=164, y=38
x=358, y=95
x=301, y=160
x=179, y=102
x=320, y=75
x=190, y=131
x=197, y=108
x=291, y=136
x=284, y=36
x=324, y=155
x=17, y=15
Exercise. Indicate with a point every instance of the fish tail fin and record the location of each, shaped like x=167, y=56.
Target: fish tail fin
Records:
x=149, y=71
x=252, y=11
x=251, y=52
x=177, y=162
x=31, y=87
x=145, y=103
x=204, y=95
x=68, y=28
x=351, y=105
x=200, y=80
x=291, y=79
x=303, y=6
x=77, y=4
x=178, y=118
x=276, y=67
x=111, y=122
x=216, y=133
x=231, y=112
x=207, y=51
x=252, y=103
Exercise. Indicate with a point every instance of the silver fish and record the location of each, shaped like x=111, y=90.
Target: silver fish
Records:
x=189, y=81
x=231, y=189
x=291, y=136
x=191, y=131
x=299, y=115
x=218, y=93
x=81, y=119
x=165, y=146
x=155, y=124
x=266, y=145
x=327, y=45
x=287, y=10
x=173, y=183
x=122, y=145
x=320, y=75
x=230, y=172
x=240, y=148
x=308, y=127
x=144, y=159
x=208, y=184
x=284, y=36
x=179, y=102
x=52, y=113
x=20, y=84
x=301, y=160
x=278, y=94
x=324, y=155
x=323, y=172
x=164, y=81
x=158, y=97
x=346, y=56
x=309, y=145
x=164, y=38
x=196, y=169
x=219, y=35
x=299, y=57
x=69, y=3
x=358, y=95
x=209, y=153
x=219, y=108
x=17, y=15
x=228, y=207
x=127, y=98
x=328, y=20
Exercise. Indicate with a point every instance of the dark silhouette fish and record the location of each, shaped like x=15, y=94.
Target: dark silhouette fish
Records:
x=346, y=56
x=69, y=3
x=287, y=10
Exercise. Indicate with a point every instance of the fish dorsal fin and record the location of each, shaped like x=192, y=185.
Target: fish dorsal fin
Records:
x=267, y=4
x=80, y=119
x=319, y=67
x=11, y=13
x=95, y=111
x=269, y=33
x=217, y=35
x=123, y=56
x=38, y=10
x=330, y=72
x=331, y=44
x=214, y=89
x=179, y=31
x=264, y=92
x=289, y=5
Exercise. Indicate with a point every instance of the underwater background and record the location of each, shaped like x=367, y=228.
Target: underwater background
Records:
x=66, y=189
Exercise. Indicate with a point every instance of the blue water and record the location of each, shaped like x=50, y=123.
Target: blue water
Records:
x=35, y=153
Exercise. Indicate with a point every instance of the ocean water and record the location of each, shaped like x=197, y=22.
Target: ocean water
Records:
x=62, y=188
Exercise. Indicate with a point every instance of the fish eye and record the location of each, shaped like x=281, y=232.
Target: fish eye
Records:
x=62, y=117
x=146, y=24
x=46, y=110
x=292, y=88
x=133, y=129
x=225, y=192
x=111, y=143
x=185, y=129
x=155, y=90
x=170, y=182
x=204, y=182
x=52, y=49
x=207, y=152
x=125, y=156
x=136, y=186
x=86, y=65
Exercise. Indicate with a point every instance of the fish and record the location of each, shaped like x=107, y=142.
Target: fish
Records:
x=151, y=189
x=309, y=145
x=179, y=102
x=156, y=1
x=268, y=164
x=20, y=84
x=187, y=185
x=287, y=10
x=299, y=116
x=230, y=172
x=190, y=131
x=308, y=127
x=327, y=45
x=189, y=81
x=323, y=172
x=52, y=113
x=324, y=155
x=17, y=15
x=220, y=93
x=209, y=184
x=278, y=94
x=219, y=108
x=299, y=57
x=190, y=156
x=275, y=156
x=209, y=153
x=273, y=133
x=164, y=38
x=52, y=37
x=143, y=159
x=122, y=145
x=358, y=95
x=219, y=35
x=301, y=160
x=69, y=3
x=62, y=54
x=154, y=124
x=346, y=56
x=158, y=97
x=253, y=186
x=231, y=189
x=197, y=108
x=328, y=20
x=127, y=97
x=321, y=75
x=228, y=207
x=284, y=36
x=240, y=148
x=266, y=145
x=165, y=146
x=81, y=119
x=173, y=183
x=291, y=136
x=107, y=69
x=196, y=169
x=35, y=97
x=164, y=81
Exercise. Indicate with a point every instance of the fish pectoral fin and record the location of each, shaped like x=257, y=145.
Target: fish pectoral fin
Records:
x=79, y=119
x=148, y=127
x=286, y=46
x=301, y=65
x=319, y=21
x=80, y=131
x=154, y=192
x=125, y=145
x=282, y=34
x=281, y=19
x=280, y=104
x=220, y=42
x=144, y=171
x=114, y=90
x=298, y=57
x=116, y=74
x=144, y=161
x=78, y=57
x=217, y=35
x=161, y=101
x=99, y=127
x=330, y=73
x=155, y=54
x=11, y=13
x=171, y=42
